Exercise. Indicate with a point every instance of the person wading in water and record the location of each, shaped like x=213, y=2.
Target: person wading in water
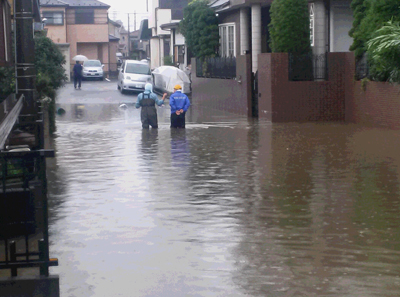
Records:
x=147, y=101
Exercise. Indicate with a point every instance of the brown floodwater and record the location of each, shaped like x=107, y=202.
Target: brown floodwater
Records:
x=227, y=207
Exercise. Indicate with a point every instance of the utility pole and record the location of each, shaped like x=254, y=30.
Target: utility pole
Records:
x=134, y=14
x=129, y=40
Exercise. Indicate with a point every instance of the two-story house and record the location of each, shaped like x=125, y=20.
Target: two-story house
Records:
x=166, y=40
x=79, y=27
x=244, y=24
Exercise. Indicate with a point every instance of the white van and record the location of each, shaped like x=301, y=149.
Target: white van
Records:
x=133, y=76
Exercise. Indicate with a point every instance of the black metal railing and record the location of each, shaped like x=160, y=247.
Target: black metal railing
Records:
x=219, y=67
x=362, y=67
x=308, y=67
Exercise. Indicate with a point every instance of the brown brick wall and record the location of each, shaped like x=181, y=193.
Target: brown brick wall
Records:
x=225, y=94
x=376, y=104
x=281, y=100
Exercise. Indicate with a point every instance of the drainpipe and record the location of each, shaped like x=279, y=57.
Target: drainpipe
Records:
x=25, y=53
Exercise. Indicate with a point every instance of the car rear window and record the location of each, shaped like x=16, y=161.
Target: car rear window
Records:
x=92, y=63
x=137, y=68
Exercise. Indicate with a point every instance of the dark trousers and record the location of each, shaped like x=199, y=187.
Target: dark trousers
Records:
x=77, y=79
x=148, y=115
x=178, y=121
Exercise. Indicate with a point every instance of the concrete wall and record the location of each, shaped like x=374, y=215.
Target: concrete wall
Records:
x=225, y=94
x=281, y=100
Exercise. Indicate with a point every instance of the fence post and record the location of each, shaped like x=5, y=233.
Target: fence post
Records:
x=13, y=256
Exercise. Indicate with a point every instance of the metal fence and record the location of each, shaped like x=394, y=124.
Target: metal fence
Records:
x=219, y=67
x=362, y=67
x=308, y=67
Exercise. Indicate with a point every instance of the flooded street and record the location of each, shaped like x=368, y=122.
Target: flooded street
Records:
x=229, y=206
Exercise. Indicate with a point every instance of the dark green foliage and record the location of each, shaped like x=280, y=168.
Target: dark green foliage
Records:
x=7, y=82
x=290, y=27
x=50, y=73
x=384, y=53
x=49, y=61
x=369, y=16
x=200, y=28
x=168, y=61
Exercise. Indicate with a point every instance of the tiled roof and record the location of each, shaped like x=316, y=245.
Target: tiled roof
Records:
x=73, y=3
x=52, y=3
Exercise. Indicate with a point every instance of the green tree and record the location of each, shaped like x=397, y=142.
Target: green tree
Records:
x=359, y=8
x=50, y=73
x=369, y=16
x=384, y=53
x=200, y=28
x=290, y=27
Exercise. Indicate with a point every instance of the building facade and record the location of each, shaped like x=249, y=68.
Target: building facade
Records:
x=81, y=26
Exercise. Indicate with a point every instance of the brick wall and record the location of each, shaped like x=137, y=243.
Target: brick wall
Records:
x=225, y=94
x=281, y=100
x=376, y=104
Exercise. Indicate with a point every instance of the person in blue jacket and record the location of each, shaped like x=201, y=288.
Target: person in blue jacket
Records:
x=147, y=101
x=179, y=103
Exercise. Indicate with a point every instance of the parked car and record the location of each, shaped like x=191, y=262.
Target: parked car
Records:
x=93, y=69
x=133, y=76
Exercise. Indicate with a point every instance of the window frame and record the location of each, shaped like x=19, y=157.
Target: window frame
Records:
x=225, y=42
x=46, y=13
x=83, y=13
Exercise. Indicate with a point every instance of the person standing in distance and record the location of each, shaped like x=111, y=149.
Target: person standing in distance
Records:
x=147, y=101
x=77, y=74
x=179, y=103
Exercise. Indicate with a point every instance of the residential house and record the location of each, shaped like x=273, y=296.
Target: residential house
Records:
x=139, y=49
x=113, y=45
x=82, y=27
x=244, y=24
x=123, y=42
x=166, y=40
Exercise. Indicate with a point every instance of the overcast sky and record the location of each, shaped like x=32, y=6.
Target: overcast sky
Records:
x=120, y=8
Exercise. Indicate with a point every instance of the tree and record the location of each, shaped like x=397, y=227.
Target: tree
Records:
x=359, y=8
x=384, y=53
x=200, y=29
x=290, y=27
x=50, y=73
x=369, y=16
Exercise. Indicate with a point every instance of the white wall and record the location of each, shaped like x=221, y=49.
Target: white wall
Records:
x=154, y=53
x=163, y=17
x=341, y=23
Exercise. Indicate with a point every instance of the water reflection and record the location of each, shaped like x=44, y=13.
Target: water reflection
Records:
x=233, y=207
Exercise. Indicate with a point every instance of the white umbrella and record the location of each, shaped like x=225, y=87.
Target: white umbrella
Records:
x=166, y=77
x=80, y=58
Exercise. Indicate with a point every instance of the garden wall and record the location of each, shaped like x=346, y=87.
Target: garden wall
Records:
x=375, y=103
x=231, y=95
x=281, y=100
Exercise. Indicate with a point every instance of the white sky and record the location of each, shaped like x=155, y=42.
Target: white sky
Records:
x=120, y=8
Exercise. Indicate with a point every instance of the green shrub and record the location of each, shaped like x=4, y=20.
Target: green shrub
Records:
x=168, y=61
x=287, y=35
x=200, y=28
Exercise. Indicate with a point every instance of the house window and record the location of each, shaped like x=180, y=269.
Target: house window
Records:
x=227, y=42
x=312, y=24
x=84, y=16
x=53, y=17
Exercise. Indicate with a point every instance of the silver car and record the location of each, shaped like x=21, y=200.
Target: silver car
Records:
x=93, y=69
x=133, y=76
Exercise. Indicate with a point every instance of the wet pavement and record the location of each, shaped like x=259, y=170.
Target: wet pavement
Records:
x=227, y=207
